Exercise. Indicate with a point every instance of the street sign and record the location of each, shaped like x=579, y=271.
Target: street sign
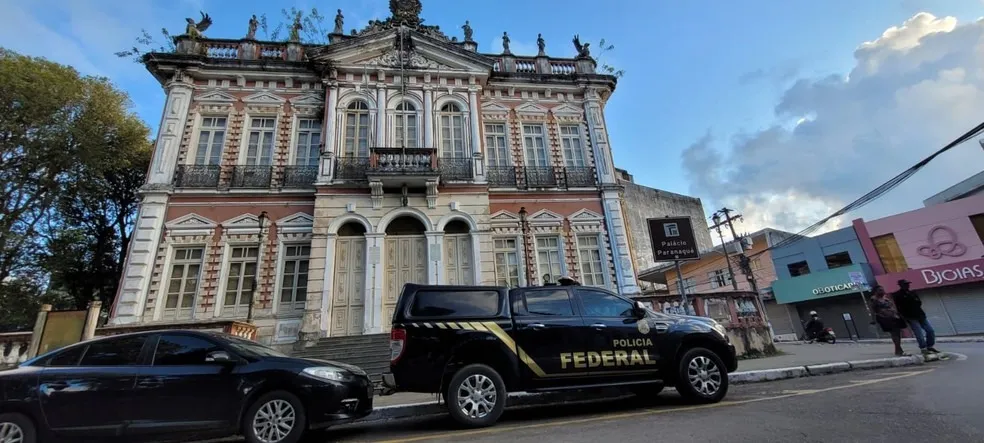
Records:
x=673, y=238
x=847, y=316
x=858, y=279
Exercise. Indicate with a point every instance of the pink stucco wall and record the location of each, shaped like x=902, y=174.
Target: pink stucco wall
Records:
x=912, y=231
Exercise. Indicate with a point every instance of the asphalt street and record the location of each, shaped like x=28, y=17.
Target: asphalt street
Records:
x=939, y=401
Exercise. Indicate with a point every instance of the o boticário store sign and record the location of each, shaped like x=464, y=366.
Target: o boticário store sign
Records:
x=969, y=271
x=821, y=284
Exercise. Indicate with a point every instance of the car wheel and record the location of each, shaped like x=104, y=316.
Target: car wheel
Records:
x=702, y=376
x=276, y=417
x=476, y=396
x=16, y=428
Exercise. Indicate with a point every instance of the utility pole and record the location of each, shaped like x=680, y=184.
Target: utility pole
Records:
x=743, y=261
x=716, y=218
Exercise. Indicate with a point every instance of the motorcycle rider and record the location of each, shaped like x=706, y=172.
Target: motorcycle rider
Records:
x=814, y=327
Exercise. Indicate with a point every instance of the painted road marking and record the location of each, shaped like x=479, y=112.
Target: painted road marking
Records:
x=623, y=415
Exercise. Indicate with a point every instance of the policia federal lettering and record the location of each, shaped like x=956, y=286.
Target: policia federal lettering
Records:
x=611, y=358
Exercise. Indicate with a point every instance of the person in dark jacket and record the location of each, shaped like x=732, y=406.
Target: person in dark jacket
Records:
x=888, y=317
x=909, y=306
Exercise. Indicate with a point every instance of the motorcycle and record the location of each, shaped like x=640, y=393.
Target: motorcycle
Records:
x=826, y=336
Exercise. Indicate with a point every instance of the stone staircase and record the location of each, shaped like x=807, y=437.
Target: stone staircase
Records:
x=369, y=352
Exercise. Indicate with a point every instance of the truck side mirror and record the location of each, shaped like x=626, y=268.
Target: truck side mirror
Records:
x=639, y=310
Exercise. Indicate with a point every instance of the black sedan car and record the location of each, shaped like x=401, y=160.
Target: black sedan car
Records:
x=173, y=385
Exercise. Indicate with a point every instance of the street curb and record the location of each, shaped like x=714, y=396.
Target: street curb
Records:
x=525, y=399
x=871, y=341
x=766, y=375
x=516, y=400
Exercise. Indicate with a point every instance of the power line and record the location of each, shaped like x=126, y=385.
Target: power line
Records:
x=875, y=193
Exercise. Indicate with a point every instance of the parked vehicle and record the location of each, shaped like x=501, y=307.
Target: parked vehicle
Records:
x=174, y=385
x=474, y=344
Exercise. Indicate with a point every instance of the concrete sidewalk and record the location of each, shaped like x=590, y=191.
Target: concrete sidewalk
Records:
x=957, y=339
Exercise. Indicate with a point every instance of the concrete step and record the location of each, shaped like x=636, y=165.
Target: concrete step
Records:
x=335, y=349
x=336, y=355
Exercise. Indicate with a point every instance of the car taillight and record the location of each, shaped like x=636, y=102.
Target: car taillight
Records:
x=398, y=341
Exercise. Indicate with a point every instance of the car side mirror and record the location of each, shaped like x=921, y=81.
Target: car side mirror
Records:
x=219, y=357
x=639, y=310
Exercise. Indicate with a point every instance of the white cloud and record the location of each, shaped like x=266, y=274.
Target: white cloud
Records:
x=912, y=90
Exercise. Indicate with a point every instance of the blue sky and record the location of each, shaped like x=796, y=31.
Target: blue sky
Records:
x=702, y=76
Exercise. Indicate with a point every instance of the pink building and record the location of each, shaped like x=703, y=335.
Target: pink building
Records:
x=940, y=250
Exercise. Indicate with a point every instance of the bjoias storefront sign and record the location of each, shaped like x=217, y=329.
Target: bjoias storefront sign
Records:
x=944, y=275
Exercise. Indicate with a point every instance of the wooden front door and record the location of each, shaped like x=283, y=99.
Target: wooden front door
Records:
x=348, y=299
x=458, y=266
x=406, y=262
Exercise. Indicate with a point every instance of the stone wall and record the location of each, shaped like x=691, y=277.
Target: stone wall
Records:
x=751, y=341
x=642, y=202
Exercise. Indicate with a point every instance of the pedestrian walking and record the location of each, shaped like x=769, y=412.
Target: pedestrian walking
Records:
x=888, y=317
x=909, y=306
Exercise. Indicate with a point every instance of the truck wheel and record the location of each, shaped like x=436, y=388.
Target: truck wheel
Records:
x=701, y=376
x=476, y=396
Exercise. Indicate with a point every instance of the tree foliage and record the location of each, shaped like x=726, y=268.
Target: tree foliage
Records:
x=72, y=157
x=604, y=47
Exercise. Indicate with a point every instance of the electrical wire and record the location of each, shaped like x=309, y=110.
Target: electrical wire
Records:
x=875, y=193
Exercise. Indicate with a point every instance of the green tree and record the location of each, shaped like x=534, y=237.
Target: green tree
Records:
x=66, y=142
x=605, y=68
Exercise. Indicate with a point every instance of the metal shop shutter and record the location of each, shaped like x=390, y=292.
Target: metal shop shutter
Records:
x=936, y=313
x=966, y=308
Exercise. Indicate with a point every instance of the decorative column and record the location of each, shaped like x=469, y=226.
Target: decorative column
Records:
x=380, y=116
x=321, y=306
x=375, y=272
x=611, y=199
x=134, y=285
x=428, y=117
x=326, y=173
x=476, y=135
x=435, y=268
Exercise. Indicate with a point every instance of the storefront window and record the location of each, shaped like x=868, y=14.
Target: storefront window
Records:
x=978, y=221
x=837, y=260
x=890, y=254
x=798, y=268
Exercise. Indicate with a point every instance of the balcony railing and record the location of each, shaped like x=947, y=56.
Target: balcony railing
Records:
x=526, y=177
x=252, y=176
x=351, y=168
x=501, y=176
x=579, y=177
x=538, y=177
x=455, y=168
x=298, y=176
x=402, y=161
x=197, y=176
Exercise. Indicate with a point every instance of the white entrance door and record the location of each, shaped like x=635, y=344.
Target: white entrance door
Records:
x=406, y=262
x=348, y=302
x=458, y=259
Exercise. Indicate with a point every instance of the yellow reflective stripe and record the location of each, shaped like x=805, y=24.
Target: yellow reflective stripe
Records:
x=466, y=326
x=454, y=325
x=479, y=327
x=511, y=344
x=428, y=325
x=442, y=326
x=413, y=324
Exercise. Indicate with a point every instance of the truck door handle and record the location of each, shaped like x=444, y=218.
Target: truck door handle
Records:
x=599, y=326
x=56, y=386
x=536, y=326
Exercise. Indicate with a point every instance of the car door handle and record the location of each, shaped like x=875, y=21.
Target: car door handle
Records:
x=660, y=327
x=536, y=326
x=56, y=386
x=149, y=383
x=599, y=326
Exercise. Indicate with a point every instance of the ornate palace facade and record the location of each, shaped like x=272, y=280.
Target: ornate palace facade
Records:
x=329, y=176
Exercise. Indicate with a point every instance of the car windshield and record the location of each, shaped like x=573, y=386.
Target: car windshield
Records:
x=252, y=348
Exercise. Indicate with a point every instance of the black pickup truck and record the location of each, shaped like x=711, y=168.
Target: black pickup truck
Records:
x=473, y=344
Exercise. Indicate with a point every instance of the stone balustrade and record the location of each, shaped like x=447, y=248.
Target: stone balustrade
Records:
x=232, y=327
x=14, y=348
x=245, y=49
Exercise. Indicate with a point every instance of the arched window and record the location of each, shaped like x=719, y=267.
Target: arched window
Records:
x=452, y=131
x=357, y=130
x=406, y=125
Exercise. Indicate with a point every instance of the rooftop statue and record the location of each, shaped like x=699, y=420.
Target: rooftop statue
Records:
x=468, y=31
x=505, y=43
x=195, y=30
x=339, y=23
x=541, y=44
x=295, y=29
x=582, y=49
x=253, y=24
